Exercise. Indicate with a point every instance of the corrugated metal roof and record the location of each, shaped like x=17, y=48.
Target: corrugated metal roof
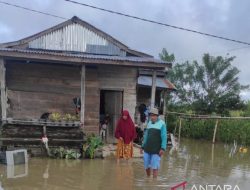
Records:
x=160, y=82
x=87, y=56
x=76, y=37
x=42, y=40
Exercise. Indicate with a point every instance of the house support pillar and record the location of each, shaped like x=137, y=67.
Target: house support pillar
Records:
x=83, y=77
x=153, y=90
x=3, y=90
x=165, y=105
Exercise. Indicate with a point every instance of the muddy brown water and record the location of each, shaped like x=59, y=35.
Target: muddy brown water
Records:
x=197, y=162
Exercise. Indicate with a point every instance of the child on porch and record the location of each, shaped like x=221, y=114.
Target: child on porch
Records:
x=103, y=129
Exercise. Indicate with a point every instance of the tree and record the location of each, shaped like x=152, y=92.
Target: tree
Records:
x=212, y=86
x=165, y=56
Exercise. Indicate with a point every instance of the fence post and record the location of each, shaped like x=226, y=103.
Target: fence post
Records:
x=215, y=130
x=179, y=137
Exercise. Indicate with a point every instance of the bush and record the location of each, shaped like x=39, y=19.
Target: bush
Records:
x=197, y=129
x=91, y=146
x=63, y=153
x=227, y=131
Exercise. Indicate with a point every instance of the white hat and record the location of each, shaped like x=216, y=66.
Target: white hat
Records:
x=154, y=111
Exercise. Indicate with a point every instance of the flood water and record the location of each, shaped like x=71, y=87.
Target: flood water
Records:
x=196, y=162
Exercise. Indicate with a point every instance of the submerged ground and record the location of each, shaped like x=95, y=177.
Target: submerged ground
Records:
x=198, y=162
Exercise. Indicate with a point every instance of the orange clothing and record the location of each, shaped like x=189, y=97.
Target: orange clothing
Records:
x=124, y=150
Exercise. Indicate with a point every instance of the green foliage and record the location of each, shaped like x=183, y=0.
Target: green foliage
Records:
x=165, y=56
x=198, y=129
x=211, y=86
x=227, y=131
x=238, y=130
x=236, y=113
x=70, y=117
x=66, y=117
x=55, y=116
x=247, y=109
x=92, y=144
x=172, y=123
x=63, y=153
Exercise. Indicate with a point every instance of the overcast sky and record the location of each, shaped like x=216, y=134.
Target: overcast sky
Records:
x=228, y=18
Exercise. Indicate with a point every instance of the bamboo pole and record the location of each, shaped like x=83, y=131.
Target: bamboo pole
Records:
x=215, y=130
x=179, y=136
x=195, y=116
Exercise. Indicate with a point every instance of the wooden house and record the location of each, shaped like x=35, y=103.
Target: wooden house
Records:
x=43, y=73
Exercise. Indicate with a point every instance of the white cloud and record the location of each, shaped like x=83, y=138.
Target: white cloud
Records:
x=245, y=95
x=4, y=29
x=5, y=32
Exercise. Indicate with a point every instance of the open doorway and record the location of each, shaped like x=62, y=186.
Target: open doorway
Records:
x=111, y=102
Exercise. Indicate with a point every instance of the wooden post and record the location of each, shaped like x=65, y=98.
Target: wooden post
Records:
x=179, y=137
x=164, y=103
x=153, y=89
x=83, y=76
x=44, y=131
x=215, y=130
x=3, y=90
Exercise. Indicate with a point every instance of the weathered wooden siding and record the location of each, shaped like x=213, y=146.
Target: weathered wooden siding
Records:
x=120, y=78
x=92, y=101
x=36, y=132
x=37, y=88
x=108, y=78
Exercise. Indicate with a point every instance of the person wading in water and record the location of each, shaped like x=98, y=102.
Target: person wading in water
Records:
x=154, y=143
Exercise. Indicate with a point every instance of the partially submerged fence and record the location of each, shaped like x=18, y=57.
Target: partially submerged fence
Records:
x=182, y=116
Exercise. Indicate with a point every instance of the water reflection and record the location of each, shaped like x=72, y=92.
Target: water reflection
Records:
x=1, y=188
x=197, y=162
x=17, y=171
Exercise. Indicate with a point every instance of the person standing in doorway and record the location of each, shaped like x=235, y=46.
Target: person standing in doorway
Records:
x=125, y=134
x=154, y=143
x=103, y=130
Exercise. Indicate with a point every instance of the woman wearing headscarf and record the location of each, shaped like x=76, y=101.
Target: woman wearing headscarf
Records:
x=125, y=134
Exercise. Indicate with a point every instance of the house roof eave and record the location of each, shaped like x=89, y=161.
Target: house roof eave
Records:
x=8, y=53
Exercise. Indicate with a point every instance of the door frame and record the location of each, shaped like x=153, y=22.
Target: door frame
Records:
x=112, y=90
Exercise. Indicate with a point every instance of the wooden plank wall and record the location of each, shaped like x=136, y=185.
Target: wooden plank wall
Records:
x=37, y=88
x=92, y=101
x=123, y=78
x=34, y=89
